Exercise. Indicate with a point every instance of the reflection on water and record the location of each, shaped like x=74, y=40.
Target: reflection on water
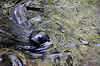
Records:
x=68, y=53
x=68, y=6
x=70, y=45
x=2, y=31
x=27, y=47
x=9, y=57
x=34, y=54
x=35, y=19
x=84, y=42
x=47, y=43
x=98, y=44
x=54, y=55
x=15, y=60
x=36, y=51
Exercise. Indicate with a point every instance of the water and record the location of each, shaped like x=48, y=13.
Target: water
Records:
x=73, y=28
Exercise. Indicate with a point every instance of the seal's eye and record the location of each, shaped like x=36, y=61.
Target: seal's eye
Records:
x=38, y=38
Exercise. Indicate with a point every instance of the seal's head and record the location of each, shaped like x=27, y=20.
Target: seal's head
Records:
x=39, y=38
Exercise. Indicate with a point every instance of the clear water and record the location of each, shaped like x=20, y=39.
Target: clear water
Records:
x=73, y=27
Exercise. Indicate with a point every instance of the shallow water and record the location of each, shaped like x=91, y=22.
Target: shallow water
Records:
x=73, y=27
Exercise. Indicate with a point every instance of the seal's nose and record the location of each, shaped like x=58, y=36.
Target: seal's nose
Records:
x=39, y=39
x=44, y=39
